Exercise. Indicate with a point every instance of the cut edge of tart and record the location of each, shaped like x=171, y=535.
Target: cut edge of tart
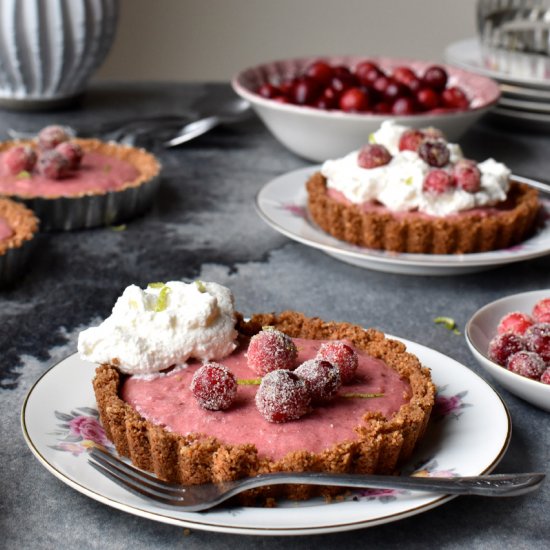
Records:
x=380, y=446
x=466, y=233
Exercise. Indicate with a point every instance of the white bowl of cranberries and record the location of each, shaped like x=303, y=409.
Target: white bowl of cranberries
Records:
x=325, y=107
x=510, y=338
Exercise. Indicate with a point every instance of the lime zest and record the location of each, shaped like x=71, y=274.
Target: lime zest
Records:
x=372, y=138
x=408, y=181
x=356, y=395
x=268, y=327
x=448, y=322
x=155, y=285
x=121, y=227
x=200, y=286
x=162, y=301
x=249, y=381
x=24, y=175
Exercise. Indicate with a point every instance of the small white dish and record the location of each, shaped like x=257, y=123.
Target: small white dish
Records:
x=482, y=327
x=317, y=135
x=281, y=203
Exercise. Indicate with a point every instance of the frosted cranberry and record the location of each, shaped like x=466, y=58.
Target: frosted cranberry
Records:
x=545, y=377
x=504, y=345
x=20, y=159
x=354, y=100
x=214, y=387
x=72, y=152
x=320, y=71
x=52, y=164
x=541, y=309
x=437, y=182
x=342, y=356
x=515, y=322
x=268, y=91
x=306, y=91
x=271, y=350
x=404, y=106
x=435, y=153
x=537, y=339
x=411, y=139
x=526, y=363
x=373, y=155
x=434, y=133
x=435, y=77
x=322, y=379
x=282, y=396
x=467, y=177
x=51, y=136
x=382, y=108
x=454, y=98
x=405, y=75
x=427, y=99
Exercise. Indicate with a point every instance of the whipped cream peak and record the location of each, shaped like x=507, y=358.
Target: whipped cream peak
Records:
x=398, y=185
x=162, y=325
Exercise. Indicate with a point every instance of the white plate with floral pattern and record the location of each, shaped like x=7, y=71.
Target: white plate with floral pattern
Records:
x=281, y=203
x=60, y=423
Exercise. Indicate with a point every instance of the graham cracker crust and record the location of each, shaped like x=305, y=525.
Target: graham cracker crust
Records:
x=22, y=221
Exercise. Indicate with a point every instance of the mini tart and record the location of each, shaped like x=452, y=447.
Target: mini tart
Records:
x=96, y=207
x=380, y=446
x=15, y=250
x=509, y=223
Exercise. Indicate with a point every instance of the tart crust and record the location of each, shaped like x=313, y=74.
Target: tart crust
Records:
x=22, y=221
x=380, y=446
x=514, y=221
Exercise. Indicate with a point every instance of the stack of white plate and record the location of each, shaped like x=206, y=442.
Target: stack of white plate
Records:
x=524, y=79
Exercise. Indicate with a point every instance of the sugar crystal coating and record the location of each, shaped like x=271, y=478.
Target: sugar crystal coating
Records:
x=271, y=350
x=537, y=339
x=434, y=152
x=214, y=386
x=322, y=379
x=545, y=378
x=373, y=155
x=504, y=345
x=20, y=159
x=541, y=311
x=527, y=363
x=51, y=136
x=515, y=322
x=52, y=164
x=342, y=356
x=72, y=152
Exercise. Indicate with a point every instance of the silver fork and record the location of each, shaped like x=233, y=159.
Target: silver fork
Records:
x=194, y=498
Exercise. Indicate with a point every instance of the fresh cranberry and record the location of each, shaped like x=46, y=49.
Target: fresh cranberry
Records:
x=287, y=88
x=404, y=106
x=373, y=155
x=20, y=159
x=395, y=90
x=271, y=350
x=382, y=108
x=515, y=322
x=367, y=72
x=434, y=152
x=411, y=139
x=537, y=338
x=467, y=176
x=52, y=164
x=504, y=345
x=454, y=98
x=72, y=152
x=414, y=85
x=282, y=396
x=404, y=75
x=342, y=81
x=322, y=379
x=342, y=356
x=306, y=91
x=541, y=311
x=51, y=136
x=545, y=377
x=526, y=363
x=381, y=84
x=354, y=100
x=214, y=387
x=320, y=71
x=437, y=182
x=268, y=91
x=435, y=77
x=427, y=99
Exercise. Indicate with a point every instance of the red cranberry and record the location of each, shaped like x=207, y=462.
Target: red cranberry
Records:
x=20, y=159
x=427, y=99
x=268, y=91
x=467, y=176
x=354, y=100
x=395, y=90
x=271, y=350
x=541, y=310
x=342, y=81
x=52, y=164
x=504, y=345
x=455, y=98
x=282, y=396
x=434, y=133
x=342, y=356
x=367, y=72
x=435, y=153
x=435, y=77
x=320, y=71
x=411, y=139
x=515, y=322
x=72, y=152
x=545, y=377
x=404, y=106
x=382, y=108
x=381, y=84
x=214, y=387
x=373, y=155
x=437, y=182
x=526, y=363
x=306, y=91
x=404, y=75
x=322, y=379
x=414, y=85
x=537, y=338
x=51, y=136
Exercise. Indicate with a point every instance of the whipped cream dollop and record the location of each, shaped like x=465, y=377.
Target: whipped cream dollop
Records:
x=163, y=325
x=398, y=184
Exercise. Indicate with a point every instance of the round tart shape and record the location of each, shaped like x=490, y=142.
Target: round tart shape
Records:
x=94, y=195
x=380, y=444
x=377, y=227
x=18, y=226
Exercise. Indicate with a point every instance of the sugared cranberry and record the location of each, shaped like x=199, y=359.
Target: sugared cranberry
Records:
x=437, y=182
x=282, y=396
x=20, y=159
x=72, y=152
x=354, y=100
x=214, y=387
x=306, y=91
x=454, y=98
x=404, y=75
x=404, y=106
x=373, y=155
x=367, y=72
x=342, y=356
x=427, y=99
x=433, y=133
x=52, y=164
x=504, y=345
x=269, y=91
x=541, y=311
x=51, y=136
x=320, y=71
x=322, y=378
x=435, y=77
x=515, y=322
x=435, y=153
x=467, y=177
x=545, y=377
x=411, y=139
x=537, y=339
x=526, y=363
x=271, y=350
